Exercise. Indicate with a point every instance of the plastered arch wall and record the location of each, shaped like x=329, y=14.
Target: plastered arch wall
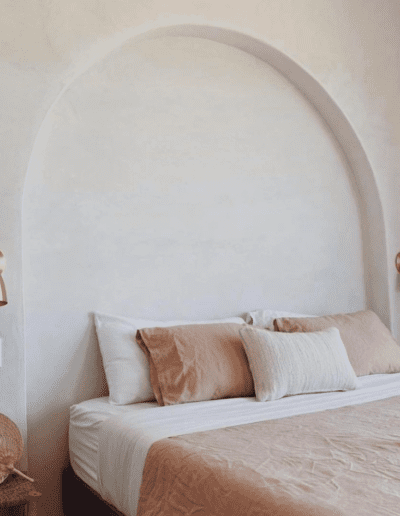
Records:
x=373, y=226
x=48, y=406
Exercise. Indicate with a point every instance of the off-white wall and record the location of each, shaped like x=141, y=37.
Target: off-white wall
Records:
x=179, y=167
x=351, y=46
x=182, y=178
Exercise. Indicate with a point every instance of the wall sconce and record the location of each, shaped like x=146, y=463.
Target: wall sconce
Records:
x=398, y=262
x=3, y=293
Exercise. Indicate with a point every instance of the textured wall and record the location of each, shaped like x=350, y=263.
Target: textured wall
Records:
x=351, y=47
x=182, y=178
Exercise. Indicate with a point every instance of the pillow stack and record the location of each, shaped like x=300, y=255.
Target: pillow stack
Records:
x=278, y=354
x=125, y=364
x=369, y=344
x=265, y=318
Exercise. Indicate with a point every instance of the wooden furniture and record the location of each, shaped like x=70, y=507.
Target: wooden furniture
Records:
x=17, y=497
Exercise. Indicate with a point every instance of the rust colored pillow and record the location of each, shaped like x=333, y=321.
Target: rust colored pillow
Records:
x=196, y=362
x=369, y=344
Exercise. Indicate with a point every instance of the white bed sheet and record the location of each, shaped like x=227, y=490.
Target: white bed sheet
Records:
x=109, y=444
x=84, y=427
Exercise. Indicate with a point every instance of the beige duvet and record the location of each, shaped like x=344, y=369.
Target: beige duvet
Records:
x=337, y=462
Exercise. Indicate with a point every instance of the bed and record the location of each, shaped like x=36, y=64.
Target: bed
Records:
x=315, y=432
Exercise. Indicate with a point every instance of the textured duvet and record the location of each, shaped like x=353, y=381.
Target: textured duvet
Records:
x=337, y=462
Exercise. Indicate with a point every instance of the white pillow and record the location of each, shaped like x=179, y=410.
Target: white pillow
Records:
x=126, y=366
x=284, y=364
x=265, y=318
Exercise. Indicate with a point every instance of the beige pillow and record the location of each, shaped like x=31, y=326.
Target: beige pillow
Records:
x=126, y=366
x=196, y=362
x=369, y=344
x=285, y=364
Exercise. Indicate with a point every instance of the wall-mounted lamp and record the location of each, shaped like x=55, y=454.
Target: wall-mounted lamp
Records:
x=398, y=262
x=3, y=294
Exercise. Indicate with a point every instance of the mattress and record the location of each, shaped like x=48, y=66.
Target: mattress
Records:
x=108, y=439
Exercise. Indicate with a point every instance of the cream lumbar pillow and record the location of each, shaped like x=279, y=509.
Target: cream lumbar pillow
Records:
x=284, y=364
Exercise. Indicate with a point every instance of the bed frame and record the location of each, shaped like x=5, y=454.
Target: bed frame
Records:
x=79, y=499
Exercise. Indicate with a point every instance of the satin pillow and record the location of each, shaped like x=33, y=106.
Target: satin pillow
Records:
x=196, y=362
x=285, y=364
x=369, y=344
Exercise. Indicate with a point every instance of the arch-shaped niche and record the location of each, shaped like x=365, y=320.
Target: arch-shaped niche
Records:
x=68, y=274
x=372, y=222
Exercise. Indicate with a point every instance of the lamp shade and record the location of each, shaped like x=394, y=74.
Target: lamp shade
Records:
x=3, y=294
